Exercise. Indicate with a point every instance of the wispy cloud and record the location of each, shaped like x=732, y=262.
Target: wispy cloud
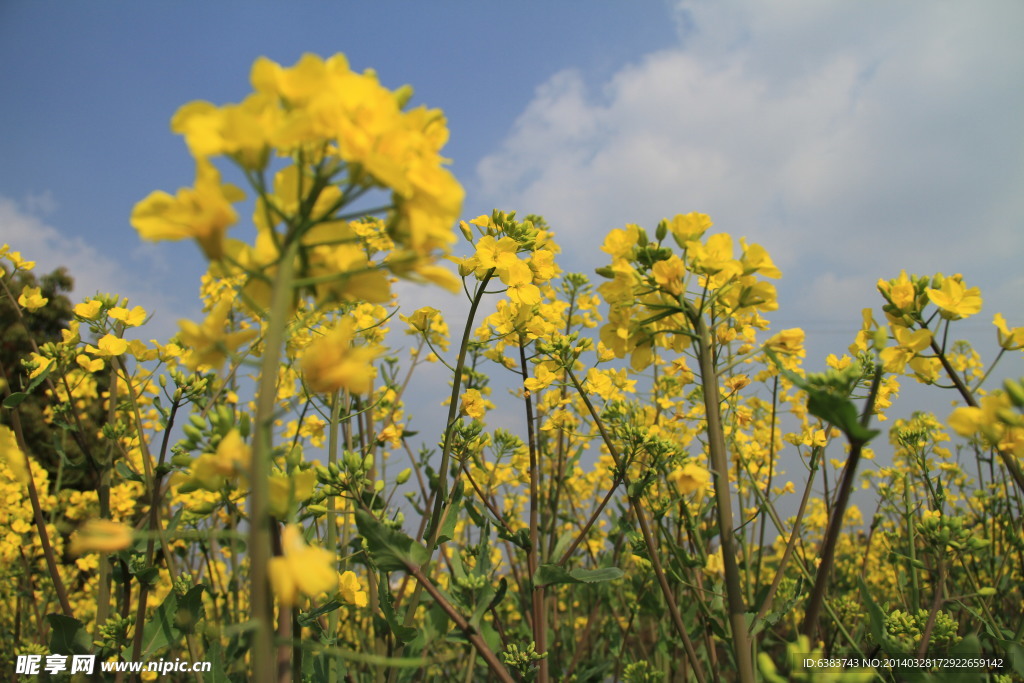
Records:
x=852, y=141
x=24, y=226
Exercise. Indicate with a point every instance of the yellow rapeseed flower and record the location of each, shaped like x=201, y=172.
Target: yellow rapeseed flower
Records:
x=131, y=318
x=209, y=343
x=669, y=274
x=108, y=345
x=788, y=341
x=231, y=460
x=203, y=212
x=301, y=569
x=331, y=362
x=900, y=292
x=15, y=258
x=351, y=590
x=88, y=310
x=1011, y=340
x=12, y=455
x=756, y=260
x=619, y=242
x=715, y=258
x=690, y=226
x=430, y=323
x=474, y=404
x=32, y=299
x=955, y=300
x=908, y=344
x=690, y=478
x=715, y=565
x=89, y=364
x=102, y=536
x=286, y=489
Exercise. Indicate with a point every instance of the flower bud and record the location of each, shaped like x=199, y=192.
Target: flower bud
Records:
x=352, y=461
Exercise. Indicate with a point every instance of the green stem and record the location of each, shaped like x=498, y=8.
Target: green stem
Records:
x=263, y=660
x=723, y=499
x=790, y=544
x=37, y=515
x=533, y=558
x=908, y=517
x=471, y=634
x=649, y=540
x=332, y=523
x=453, y=406
x=835, y=522
x=440, y=492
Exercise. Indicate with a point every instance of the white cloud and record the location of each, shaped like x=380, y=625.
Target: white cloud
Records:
x=851, y=140
x=23, y=227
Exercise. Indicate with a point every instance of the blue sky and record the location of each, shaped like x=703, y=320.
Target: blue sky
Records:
x=90, y=89
x=850, y=139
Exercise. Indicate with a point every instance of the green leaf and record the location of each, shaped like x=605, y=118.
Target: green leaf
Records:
x=520, y=539
x=458, y=570
x=841, y=412
x=490, y=636
x=500, y=594
x=190, y=609
x=483, y=599
x=876, y=620
x=15, y=399
x=837, y=410
x=403, y=634
x=159, y=631
x=126, y=473
x=215, y=655
x=390, y=549
x=563, y=543
x=450, y=517
x=548, y=574
x=1016, y=655
x=308, y=618
x=68, y=636
x=39, y=379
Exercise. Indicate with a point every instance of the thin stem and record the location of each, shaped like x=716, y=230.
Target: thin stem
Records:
x=723, y=499
x=440, y=492
x=259, y=472
x=37, y=515
x=460, y=621
x=937, y=600
x=532, y=557
x=332, y=523
x=790, y=545
x=649, y=541
x=835, y=522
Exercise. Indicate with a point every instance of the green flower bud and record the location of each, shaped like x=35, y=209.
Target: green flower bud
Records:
x=352, y=461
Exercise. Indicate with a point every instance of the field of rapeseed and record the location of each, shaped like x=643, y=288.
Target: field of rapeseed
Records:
x=247, y=494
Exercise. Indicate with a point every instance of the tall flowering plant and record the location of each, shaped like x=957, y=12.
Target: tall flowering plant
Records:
x=312, y=141
x=230, y=496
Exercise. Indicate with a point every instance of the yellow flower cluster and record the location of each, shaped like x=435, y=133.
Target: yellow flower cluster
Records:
x=322, y=115
x=662, y=282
